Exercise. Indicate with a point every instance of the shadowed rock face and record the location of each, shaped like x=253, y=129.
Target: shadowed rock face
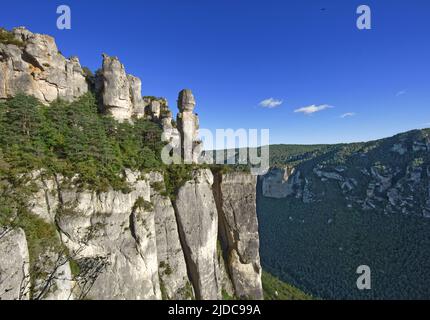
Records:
x=198, y=226
x=236, y=200
x=39, y=69
x=171, y=261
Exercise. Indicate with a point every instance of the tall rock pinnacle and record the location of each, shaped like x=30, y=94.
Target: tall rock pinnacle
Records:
x=188, y=125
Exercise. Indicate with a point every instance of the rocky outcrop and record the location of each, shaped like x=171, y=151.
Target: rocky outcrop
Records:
x=120, y=92
x=280, y=182
x=53, y=279
x=236, y=200
x=139, y=243
x=188, y=125
x=38, y=69
x=111, y=237
x=174, y=282
x=14, y=265
x=112, y=234
x=198, y=227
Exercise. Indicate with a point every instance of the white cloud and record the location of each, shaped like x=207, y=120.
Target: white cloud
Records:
x=313, y=108
x=270, y=103
x=348, y=114
x=401, y=93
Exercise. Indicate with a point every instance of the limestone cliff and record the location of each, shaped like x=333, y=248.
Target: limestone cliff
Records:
x=140, y=245
x=198, y=226
x=236, y=199
x=141, y=241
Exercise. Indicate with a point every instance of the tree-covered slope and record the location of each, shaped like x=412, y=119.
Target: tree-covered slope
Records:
x=275, y=289
x=351, y=205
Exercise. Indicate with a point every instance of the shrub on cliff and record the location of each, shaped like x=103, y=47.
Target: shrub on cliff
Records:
x=75, y=139
x=7, y=37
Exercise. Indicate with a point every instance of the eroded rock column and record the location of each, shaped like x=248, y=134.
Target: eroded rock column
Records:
x=188, y=125
x=198, y=227
x=14, y=265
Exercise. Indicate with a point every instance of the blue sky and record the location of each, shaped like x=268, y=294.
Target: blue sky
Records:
x=236, y=54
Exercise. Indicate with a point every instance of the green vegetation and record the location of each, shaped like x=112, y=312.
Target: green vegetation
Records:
x=75, y=139
x=187, y=291
x=164, y=295
x=318, y=246
x=7, y=37
x=158, y=186
x=41, y=238
x=74, y=267
x=167, y=270
x=275, y=289
x=175, y=176
x=226, y=296
x=300, y=246
x=87, y=72
x=142, y=204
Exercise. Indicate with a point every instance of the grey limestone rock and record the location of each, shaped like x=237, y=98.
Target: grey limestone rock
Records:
x=14, y=265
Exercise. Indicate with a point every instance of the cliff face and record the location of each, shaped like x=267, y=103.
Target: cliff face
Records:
x=236, y=199
x=139, y=245
x=136, y=243
x=14, y=265
x=198, y=224
x=37, y=68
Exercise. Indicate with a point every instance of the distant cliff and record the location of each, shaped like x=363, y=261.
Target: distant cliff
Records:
x=390, y=175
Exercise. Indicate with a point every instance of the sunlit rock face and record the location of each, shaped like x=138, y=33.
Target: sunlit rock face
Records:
x=144, y=242
x=121, y=92
x=38, y=69
x=188, y=125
